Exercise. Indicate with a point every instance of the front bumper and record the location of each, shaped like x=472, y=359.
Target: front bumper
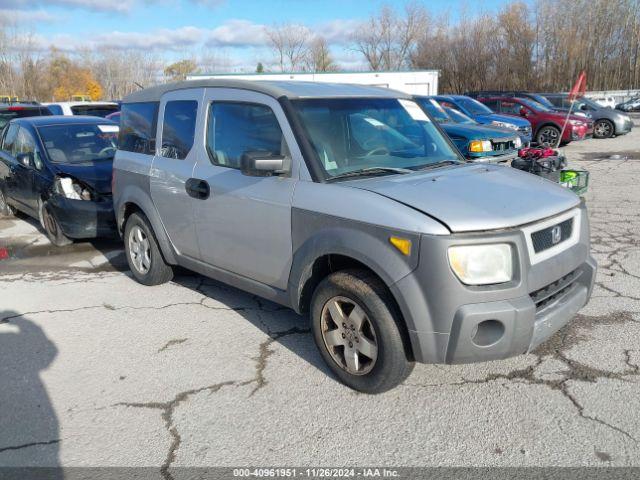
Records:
x=449, y=322
x=84, y=219
x=492, y=157
x=623, y=127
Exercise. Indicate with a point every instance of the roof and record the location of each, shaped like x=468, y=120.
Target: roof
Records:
x=275, y=89
x=76, y=104
x=341, y=72
x=47, y=120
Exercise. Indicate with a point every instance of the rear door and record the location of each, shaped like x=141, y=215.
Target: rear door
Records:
x=178, y=120
x=244, y=223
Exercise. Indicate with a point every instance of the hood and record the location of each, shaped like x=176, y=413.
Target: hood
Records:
x=96, y=175
x=475, y=197
x=477, y=132
x=520, y=122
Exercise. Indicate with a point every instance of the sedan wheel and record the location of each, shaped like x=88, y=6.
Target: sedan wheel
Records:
x=349, y=336
x=139, y=250
x=603, y=129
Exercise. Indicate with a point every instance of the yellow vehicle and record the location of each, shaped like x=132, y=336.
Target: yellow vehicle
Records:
x=9, y=99
x=80, y=98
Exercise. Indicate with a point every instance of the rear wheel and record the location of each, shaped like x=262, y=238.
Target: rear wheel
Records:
x=143, y=253
x=548, y=135
x=51, y=226
x=603, y=129
x=6, y=210
x=358, y=331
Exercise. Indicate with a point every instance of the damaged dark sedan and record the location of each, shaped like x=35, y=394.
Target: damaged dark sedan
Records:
x=58, y=170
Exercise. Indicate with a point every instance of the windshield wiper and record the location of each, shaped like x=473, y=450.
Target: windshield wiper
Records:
x=441, y=163
x=363, y=172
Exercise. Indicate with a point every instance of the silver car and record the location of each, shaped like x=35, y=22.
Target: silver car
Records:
x=607, y=122
x=347, y=203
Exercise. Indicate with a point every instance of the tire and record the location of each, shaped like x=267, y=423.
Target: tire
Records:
x=143, y=253
x=371, y=332
x=6, y=210
x=548, y=135
x=51, y=226
x=603, y=129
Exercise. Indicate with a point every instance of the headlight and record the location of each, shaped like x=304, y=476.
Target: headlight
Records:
x=482, y=264
x=71, y=188
x=496, y=123
x=480, y=146
x=517, y=142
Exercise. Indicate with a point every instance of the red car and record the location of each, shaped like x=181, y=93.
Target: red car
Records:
x=545, y=123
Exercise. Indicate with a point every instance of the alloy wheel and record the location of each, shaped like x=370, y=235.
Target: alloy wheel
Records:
x=549, y=135
x=139, y=250
x=602, y=129
x=349, y=335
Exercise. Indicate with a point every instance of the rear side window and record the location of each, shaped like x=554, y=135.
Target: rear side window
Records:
x=236, y=128
x=492, y=104
x=510, y=108
x=138, y=127
x=178, y=128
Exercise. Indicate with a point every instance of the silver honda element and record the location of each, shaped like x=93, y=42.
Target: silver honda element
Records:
x=347, y=203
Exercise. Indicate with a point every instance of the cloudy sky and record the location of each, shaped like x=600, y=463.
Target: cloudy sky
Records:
x=232, y=30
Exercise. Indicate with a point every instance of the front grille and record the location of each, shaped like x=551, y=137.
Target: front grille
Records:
x=554, y=291
x=544, y=239
x=502, y=146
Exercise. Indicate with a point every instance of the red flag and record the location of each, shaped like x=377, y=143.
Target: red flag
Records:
x=579, y=88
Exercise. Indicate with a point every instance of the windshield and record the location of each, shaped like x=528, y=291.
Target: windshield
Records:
x=79, y=144
x=543, y=101
x=434, y=109
x=353, y=134
x=534, y=105
x=459, y=117
x=473, y=106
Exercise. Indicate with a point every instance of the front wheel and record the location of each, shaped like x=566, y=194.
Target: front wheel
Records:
x=51, y=226
x=548, y=135
x=357, y=329
x=603, y=129
x=143, y=253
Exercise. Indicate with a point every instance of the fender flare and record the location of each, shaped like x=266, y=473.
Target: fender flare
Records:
x=132, y=194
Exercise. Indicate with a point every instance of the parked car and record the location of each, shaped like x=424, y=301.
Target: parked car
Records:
x=114, y=117
x=484, y=115
x=632, y=105
x=9, y=112
x=606, y=101
x=347, y=203
x=95, y=109
x=606, y=121
x=546, y=123
x=58, y=170
x=475, y=142
x=536, y=97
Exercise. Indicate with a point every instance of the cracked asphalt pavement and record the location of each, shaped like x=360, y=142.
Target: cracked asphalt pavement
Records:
x=97, y=370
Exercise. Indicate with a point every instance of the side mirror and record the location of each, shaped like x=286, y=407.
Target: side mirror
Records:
x=261, y=164
x=523, y=112
x=584, y=107
x=26, y=159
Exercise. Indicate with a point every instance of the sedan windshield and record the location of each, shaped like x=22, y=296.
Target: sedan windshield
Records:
x=473, y=106
x=538, y=107
x=459, y=117
x=79, y=143
x=372, y=136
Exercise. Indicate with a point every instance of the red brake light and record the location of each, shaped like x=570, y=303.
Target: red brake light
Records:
x=15, y=109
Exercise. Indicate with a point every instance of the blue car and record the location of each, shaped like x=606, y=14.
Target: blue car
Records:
x=479, y=143
x=57, y=169
x=484, y=115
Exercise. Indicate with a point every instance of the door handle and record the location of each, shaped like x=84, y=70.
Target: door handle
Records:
x=197, y=188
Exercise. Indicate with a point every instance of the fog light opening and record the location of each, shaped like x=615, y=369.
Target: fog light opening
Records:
x=487, y=333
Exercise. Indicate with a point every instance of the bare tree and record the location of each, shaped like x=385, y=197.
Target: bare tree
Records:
x=319, y=57
x=290, y=43
x=388, y=40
